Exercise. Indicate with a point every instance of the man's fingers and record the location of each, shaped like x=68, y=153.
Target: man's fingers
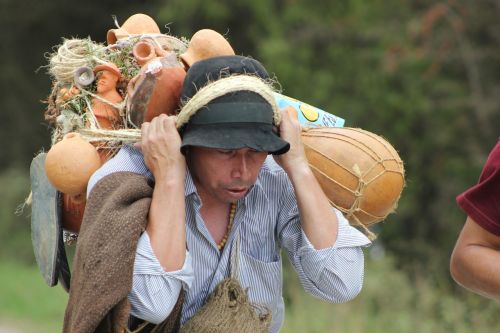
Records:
x=138, y=146
x=290, y=112
x=144, y=129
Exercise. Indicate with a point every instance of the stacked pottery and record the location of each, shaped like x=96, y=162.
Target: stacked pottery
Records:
x=165, y=93
x=135, y=25
x=69, y=165
x=146, y=50
x=204, y=44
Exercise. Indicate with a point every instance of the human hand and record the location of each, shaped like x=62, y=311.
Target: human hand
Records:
x=290, y=130
x=160, y=144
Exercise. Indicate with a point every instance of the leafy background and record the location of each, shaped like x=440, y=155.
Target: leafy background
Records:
x=423, y=74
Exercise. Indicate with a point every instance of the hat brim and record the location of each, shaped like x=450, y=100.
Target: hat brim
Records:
x=257, y=136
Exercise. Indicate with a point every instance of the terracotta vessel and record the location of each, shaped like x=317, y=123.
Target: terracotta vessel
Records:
x=108, y=76
x=72, y=213
x=70, y=163
x=360, y=172
x=204, y=44
x=143, y=52
x=73, y=207
x=166, y=89
x=136, y=24
x=166, y=93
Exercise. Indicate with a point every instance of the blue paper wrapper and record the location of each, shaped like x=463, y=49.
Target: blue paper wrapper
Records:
x=309, y=116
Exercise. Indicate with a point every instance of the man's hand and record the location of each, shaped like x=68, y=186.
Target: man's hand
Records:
x=160, y=144
x=294, y=161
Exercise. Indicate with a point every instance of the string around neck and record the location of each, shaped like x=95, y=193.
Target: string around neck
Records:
x=232, y=213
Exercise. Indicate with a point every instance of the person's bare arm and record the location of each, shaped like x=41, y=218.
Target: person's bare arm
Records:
x=166, y=227
x=317, y=218
x=475, y=262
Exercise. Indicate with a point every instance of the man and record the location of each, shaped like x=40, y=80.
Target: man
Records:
x=217, y=196
x=475, y=262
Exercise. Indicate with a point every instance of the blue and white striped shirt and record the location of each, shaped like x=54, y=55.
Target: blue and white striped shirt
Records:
x=267, y=220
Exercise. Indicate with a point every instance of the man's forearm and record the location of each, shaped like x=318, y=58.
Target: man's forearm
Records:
x=317, y=218
x=166, y=224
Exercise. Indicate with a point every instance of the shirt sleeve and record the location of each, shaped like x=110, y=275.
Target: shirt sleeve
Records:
x=482, y=201
x=155, y=291
x=333, y=274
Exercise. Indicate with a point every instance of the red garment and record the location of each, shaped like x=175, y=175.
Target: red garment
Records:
x=482, y=201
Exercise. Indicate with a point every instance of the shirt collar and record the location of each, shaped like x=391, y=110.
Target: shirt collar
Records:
x=189, y=187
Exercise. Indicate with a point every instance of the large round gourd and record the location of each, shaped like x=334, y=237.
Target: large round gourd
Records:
x=360, y=172
x=70, y=163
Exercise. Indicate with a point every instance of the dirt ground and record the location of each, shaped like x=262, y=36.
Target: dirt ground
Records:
x=5, y=328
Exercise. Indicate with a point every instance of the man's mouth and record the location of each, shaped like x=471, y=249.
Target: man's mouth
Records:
x=237, y=190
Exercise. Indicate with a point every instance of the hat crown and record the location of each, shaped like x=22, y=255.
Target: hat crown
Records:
x=205, y=71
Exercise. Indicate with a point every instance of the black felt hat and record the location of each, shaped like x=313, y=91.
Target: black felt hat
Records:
x=238, y=119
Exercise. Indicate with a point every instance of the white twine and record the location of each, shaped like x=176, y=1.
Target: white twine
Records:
x=125, y=136
x=72, y=54
x=224, y=86
x=160, y=40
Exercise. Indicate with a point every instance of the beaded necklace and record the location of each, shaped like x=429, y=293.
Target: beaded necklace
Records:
x=232, y=213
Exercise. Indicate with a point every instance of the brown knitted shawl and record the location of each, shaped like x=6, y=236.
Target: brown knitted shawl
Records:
x=115, y=216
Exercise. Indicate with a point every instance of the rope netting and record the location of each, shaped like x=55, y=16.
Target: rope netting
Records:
x=381, y=163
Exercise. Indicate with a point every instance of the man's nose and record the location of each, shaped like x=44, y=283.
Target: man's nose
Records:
x=240, y=167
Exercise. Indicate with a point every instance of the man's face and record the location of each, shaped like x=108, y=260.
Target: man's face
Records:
x=225, y=175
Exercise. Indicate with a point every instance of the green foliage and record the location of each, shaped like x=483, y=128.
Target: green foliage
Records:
x=391, y=302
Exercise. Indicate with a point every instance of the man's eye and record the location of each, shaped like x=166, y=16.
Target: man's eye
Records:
x=225, y=152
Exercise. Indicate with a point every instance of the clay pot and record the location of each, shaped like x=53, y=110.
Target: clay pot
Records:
x=166, y=91
x=73, y=207
x=70, y=163
x=204, y=44
x=360, y=172
x=72, y=213
x=143, y=52
x=136, y=24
